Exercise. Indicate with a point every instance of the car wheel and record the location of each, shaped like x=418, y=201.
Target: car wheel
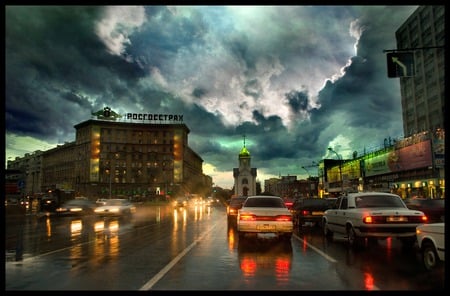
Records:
x=352, y=239
x=326, y=231
x=429, y=256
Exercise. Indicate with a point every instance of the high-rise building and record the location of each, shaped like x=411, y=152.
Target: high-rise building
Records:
x=423, y=94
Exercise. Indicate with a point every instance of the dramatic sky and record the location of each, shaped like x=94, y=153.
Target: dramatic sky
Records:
x=294, y=80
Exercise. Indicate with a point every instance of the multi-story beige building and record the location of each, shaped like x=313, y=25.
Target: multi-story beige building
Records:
x=110, y=158
x=423, y=94
x=27, y=178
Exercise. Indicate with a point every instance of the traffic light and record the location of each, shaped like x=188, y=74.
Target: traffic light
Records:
x=400, y=64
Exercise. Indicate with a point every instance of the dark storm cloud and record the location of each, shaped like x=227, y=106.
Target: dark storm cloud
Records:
x=298, y=101
x=294, y=80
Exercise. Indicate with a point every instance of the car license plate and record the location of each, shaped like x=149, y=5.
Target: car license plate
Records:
x=317, y=213
x=397, y=219
x=265, y=227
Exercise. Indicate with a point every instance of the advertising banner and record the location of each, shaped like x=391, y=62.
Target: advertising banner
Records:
x=407, y=158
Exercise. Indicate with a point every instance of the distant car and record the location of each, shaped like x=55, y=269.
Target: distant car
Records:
x=116, y=207
x=434, y=208
x=265, y=216
x=48, y=204
x=234, y=205
x=101, y=201
x=181, y=202
x=431, y=243
x=372, y=215
x=76, y=207
x=309, y=210
x=289, y=202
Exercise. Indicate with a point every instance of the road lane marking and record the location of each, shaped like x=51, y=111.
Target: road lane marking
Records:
x=172, y=263
x=329, y=258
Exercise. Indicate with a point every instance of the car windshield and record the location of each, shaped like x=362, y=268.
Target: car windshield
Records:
x=378, y=201
x=265, y=202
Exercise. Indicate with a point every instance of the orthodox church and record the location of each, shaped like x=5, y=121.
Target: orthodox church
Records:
x=245, y=175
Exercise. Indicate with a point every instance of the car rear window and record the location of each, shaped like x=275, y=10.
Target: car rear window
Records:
x=434, y=203
x=265, y=202
x=378, y=201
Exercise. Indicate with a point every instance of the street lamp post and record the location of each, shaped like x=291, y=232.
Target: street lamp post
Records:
x=340, y=168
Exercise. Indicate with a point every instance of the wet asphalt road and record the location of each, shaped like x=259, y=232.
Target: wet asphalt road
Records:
x=163, y=248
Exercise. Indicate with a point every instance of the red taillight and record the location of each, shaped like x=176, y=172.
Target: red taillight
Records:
x=424, y=219
x=305, y=213
x=288, y=204
x=284, y=218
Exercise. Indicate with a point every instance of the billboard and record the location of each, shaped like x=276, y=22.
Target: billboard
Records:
x=407, y=158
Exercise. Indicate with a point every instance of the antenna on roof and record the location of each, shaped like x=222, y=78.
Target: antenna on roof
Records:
x=244, y=139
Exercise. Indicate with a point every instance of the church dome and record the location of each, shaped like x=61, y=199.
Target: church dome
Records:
x=244, y=152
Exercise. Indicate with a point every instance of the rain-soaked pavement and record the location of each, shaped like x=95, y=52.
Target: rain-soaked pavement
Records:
x=194, y=248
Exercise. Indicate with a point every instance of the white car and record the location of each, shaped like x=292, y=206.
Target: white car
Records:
x=431, y=243
x=116, y=207
x=372, y=215
x=265, y=216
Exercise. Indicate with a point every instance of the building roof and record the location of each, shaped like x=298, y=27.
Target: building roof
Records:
x=244, y=152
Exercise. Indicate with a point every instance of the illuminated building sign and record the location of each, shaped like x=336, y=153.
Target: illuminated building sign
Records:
x=108, y=114
x=149, y=116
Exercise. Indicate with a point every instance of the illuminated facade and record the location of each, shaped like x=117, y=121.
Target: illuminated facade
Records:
x=245, y=175
x=409, y=167
x=126, y=158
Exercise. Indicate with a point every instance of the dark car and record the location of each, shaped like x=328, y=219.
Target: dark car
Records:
x=309, y=210
x=48, y=204
x=77, y=207
x=289, y=202
x=433, y=208
x=233, y=207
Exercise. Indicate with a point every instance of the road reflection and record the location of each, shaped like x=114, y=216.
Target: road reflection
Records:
x=265, y=258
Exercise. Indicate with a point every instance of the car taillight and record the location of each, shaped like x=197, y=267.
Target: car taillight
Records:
x=368, y=220
x=305, y=212
x=284, y=218
x=374, y=219
x=247, y=217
